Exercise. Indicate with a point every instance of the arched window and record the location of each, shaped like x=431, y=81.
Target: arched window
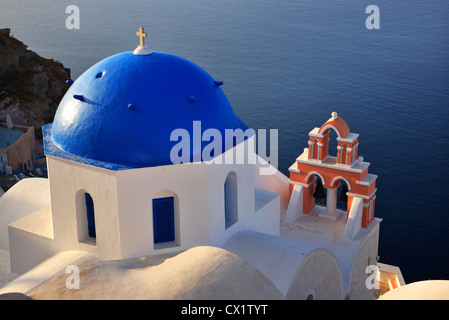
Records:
x=230, y=200
x=90, y=213
x=319, y=192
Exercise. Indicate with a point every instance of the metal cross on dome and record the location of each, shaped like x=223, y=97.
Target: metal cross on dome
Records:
x=142, y=35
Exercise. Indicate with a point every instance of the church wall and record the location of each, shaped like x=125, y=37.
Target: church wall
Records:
x=298, y=269
x=68, y=182
x=263, y=221
x=137, y=188
x=245, y=200
x=276, y=182
x=276, y=257
x=27, y=249
x=317, y=278
x=365, y=256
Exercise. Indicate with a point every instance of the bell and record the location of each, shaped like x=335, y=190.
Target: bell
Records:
x=319, y=191
x=343, y=197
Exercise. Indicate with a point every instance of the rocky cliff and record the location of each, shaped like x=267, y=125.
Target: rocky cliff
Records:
x=31, y=86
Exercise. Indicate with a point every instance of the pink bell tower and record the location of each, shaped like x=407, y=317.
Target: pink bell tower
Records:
x=315, y=164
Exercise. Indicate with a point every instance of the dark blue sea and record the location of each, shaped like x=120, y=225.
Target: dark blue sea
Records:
x=287, y=65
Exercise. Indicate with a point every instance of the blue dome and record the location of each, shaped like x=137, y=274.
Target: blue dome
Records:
x=123, y=109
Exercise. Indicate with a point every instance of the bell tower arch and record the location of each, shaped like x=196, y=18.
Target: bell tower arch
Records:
x=359, y=186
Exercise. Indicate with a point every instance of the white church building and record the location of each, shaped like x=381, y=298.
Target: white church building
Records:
x=115, y=192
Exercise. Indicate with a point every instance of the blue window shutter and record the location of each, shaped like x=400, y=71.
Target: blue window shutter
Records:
x=90, y=215
x=163, y=220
